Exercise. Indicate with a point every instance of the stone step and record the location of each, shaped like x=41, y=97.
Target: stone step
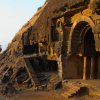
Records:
x=71, y=90
x=69, y=93
x=75, y=88
x=65, y=96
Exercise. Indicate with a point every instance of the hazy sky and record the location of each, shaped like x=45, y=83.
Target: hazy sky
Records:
x=13, y=15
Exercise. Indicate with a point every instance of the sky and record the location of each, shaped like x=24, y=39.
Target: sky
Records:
x=13, y=15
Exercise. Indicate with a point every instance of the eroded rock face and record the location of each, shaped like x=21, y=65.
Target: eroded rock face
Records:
x=40, y=24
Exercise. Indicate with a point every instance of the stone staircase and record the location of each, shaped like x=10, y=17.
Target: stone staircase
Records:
x=72, y=89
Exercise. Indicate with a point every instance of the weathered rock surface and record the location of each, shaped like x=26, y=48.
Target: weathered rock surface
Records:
x=40, y=23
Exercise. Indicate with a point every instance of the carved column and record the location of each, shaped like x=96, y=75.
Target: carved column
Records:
x=84, y=68
x=92, y=68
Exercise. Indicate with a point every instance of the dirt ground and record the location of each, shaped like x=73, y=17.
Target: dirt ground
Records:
x=36, y=95
x=46, y=95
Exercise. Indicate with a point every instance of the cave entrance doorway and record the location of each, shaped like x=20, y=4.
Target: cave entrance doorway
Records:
x=90, y=69
x=83, y=43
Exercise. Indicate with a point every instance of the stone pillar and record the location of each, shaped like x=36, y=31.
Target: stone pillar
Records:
x=92, y=68
x=84, y=68
x=60, y=67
